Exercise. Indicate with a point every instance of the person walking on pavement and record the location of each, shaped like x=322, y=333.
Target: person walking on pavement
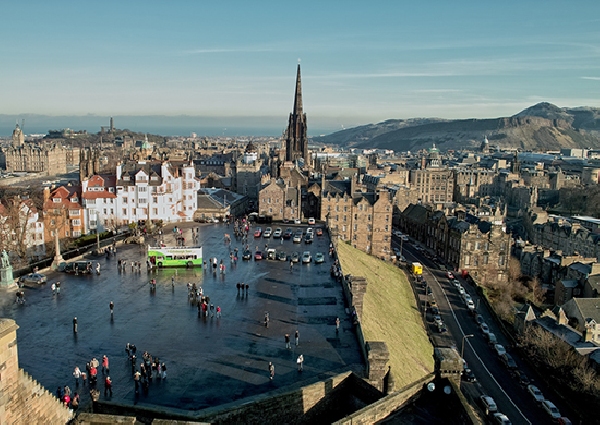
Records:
x=105, y=365
x=337, y=325
x=266, y=319
x=300, y=362
x=136, y=379
x=271, y=371
x=76, y=375
x=296, y=337
x=287, y=341
x=112, y=307
x=218, y=312
x=107, y=386
x=291, y=265
x=74, y=325
x=53, y=289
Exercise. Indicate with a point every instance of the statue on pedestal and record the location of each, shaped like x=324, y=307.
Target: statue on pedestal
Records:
x=5, y=260
x=6, y=272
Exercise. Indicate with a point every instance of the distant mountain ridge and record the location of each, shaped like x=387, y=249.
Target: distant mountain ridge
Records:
x=543, y=126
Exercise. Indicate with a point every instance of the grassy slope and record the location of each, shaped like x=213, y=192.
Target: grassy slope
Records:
x=390, y=314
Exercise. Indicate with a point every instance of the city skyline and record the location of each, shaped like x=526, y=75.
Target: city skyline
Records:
x=360, y=63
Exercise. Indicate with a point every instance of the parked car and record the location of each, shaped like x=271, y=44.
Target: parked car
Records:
x=479, y=319
x=499, y=349
x=297, y=221
x=78, y=267
x=277, y=233
x=306, y=258
x=522, y=378
x=271, y=254
x=563, y=420
x=434, y=310
x=455, y=282
x=258, y=255
x=508, y=361
x=461, y=290
x=247, y=254
x=311, y=221
x=501, y=419
x=484, y=328
x=470, y=305
x=298, y=238
x=288, y=233
x=319, y=231
x=319, y=258
x=468, y=375
x=258, y=232
x=281, y=256
x=32, y=278
x=310, y=230
x=536, y=393
x=295, y=257
x=450, y=275
x=268, y=232
x=551, y=409
x=488, y=404
x=441, y=328
x=437, y=320
x=308, y=238
x=490, y=338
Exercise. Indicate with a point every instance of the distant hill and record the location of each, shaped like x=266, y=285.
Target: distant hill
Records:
x=542, y=126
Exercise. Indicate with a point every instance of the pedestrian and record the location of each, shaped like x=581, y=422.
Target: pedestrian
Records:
x=59, y=393
x=76, y=375
x=287, y=341
x=84, y=378
x=75, y=401
x=271, y=371
x=218, y=312
x=53, y=287
x=136, y=380
x=74, y=325
x=300, y=362
x=172, y=281
x=337, y=325
x=112, y=307
x=164, y=370
x=296, y=337
x=105, y=365
x=212, y=310
x=67, y=390
x=107, y=386
x=57, y=288
x=266, y=319
x=291, y=265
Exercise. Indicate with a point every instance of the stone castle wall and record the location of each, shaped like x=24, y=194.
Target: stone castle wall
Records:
x=22, y=399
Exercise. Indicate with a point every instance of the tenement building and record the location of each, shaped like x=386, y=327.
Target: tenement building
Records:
x=433, y=182
x=363, y=218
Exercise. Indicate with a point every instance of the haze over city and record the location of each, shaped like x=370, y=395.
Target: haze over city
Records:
x=361, y=62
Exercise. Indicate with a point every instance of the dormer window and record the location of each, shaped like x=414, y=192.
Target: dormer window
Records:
x=154, y=178
x=74, y=199
x=57, y=200
x=126, y=178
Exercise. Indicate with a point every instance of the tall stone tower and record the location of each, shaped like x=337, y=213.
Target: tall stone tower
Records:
x=296, y=141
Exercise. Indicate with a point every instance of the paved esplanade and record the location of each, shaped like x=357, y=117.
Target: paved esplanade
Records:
x=209, y=361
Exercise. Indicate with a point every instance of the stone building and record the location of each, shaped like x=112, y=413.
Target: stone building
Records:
x=433, y=182
x=472, y=183
x=363, y=218
x=463, y=241
x=584, y=316
x=281, y=201
x=49, y=159
x=248, y=173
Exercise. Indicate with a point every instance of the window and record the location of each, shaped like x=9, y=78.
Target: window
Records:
x=154, y=200
x=501, y=260
x=57, y=200
x=124, y=211
x=124, y=200
x=73, y=213
x=155, y=211
x=76, y=234
x=467, y=260
x=142, y=188
x=90, y=202
x=93, y=223
x=142, y=200
x=76, y=222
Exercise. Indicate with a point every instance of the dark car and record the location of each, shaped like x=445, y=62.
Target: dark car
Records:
x=288, y=233
x=78, y=267
x=308, y=238
x=521, y=378
x=247, y=254
x=468, y=375
x=281, y=256
x=434, y=310
x=295, y=257
x=508, y=361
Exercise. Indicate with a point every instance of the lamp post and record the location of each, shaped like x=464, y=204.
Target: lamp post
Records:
x=462, y=349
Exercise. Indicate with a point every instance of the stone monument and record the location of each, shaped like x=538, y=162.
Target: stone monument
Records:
x=6, y=271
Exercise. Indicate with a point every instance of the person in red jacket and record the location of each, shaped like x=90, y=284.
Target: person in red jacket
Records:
x=107, y=386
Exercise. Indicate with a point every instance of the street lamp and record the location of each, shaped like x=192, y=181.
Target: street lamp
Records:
x=462, y=349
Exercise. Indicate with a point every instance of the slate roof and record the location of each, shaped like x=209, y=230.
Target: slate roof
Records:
x=589, y=308
x=337, y=187
x=416, y=213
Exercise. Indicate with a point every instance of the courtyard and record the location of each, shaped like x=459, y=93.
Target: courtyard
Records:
x=209, y=361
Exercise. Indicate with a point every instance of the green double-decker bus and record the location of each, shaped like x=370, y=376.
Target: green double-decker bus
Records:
x=162, y=256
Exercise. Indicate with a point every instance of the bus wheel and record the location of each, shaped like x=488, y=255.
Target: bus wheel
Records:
x=159, y=265
x=189, y=265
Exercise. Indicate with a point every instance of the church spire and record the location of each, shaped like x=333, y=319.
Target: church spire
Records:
x=298, y=97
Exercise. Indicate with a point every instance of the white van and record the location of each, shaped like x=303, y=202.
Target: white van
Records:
x=551, y=409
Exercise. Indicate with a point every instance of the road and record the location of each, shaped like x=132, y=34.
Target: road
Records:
x=493, y=378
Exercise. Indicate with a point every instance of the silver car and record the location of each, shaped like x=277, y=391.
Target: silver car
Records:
x=32, y=278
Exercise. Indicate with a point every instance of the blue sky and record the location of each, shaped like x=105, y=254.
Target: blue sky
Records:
x=361, y=61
